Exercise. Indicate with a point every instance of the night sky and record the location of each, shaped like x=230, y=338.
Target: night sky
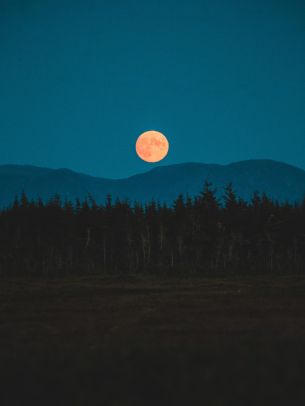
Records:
x=81, y=79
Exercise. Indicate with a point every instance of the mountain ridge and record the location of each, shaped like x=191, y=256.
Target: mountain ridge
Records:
x=281, y=181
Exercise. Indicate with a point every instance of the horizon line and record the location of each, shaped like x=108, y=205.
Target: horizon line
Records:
x=151, y=169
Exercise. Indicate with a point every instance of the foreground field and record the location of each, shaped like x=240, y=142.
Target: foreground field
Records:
x=144, y=342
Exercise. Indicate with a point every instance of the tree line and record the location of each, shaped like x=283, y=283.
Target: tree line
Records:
x=199, y=235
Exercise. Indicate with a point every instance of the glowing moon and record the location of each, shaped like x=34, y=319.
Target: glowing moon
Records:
x=152, y=146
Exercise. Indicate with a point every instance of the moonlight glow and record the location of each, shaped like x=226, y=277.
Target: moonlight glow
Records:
x=152, y=146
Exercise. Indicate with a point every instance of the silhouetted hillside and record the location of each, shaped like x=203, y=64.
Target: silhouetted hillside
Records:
x=280, y=181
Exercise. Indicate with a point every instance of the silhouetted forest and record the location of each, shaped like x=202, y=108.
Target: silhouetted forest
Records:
x=194, y=236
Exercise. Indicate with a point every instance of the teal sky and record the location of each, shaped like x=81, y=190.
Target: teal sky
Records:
x=81, y=79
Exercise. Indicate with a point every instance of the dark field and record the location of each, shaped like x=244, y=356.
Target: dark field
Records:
x=88, y=341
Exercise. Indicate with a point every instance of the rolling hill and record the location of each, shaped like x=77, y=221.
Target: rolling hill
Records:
x=279, y=180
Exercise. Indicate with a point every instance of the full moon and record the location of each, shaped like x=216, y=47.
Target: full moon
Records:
x=152, y=146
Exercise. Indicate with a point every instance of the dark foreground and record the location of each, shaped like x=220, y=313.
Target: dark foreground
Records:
x=95, y=341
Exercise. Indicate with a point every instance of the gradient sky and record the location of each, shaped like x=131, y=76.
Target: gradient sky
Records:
x=81, y=79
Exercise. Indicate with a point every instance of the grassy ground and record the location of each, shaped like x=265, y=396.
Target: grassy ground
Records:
x=101, y=341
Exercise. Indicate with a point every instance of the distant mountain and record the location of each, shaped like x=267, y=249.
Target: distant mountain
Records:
x=279, y=180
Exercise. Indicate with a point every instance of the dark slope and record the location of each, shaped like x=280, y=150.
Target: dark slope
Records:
x=280, y=181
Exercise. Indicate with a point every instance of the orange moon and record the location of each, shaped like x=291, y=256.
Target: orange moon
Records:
x=152, y=146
